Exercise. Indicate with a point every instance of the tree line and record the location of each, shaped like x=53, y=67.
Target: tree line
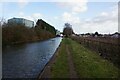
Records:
x=19, y=33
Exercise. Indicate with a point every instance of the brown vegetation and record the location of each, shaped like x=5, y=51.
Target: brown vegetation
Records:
x=107, y=47
x=18, y=33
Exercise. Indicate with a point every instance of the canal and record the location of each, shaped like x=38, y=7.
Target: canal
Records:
x=28, y=60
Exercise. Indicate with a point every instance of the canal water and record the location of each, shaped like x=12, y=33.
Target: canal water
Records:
x=28, y=60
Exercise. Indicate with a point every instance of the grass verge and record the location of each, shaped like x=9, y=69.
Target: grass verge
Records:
x=88, y=64
x=60, y=67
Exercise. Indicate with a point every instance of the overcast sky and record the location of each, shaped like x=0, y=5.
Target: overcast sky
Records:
x=84, y=16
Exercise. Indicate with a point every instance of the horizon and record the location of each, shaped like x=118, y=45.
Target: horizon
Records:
x=75, y=33
x=87, y=17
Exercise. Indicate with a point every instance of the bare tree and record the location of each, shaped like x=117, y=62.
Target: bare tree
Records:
x=2, y=21
x=67, y=31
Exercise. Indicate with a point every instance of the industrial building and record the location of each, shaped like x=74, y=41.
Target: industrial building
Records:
x=23, y=21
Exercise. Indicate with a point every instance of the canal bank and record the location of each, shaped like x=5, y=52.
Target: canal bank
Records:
x=46, y=71
x=85, y=63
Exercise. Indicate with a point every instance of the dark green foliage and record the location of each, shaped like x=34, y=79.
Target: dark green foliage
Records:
x=45, y=26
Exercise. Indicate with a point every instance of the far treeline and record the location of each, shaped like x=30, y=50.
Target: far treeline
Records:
x=19, y=33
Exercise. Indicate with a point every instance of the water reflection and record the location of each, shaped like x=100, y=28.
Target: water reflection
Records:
x=26, y=61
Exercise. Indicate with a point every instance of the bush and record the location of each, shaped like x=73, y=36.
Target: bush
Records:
x=14, y=33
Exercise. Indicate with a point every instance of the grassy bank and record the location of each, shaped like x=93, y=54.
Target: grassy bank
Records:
x=88, y=64
x=60, y=68
x=107, y=47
